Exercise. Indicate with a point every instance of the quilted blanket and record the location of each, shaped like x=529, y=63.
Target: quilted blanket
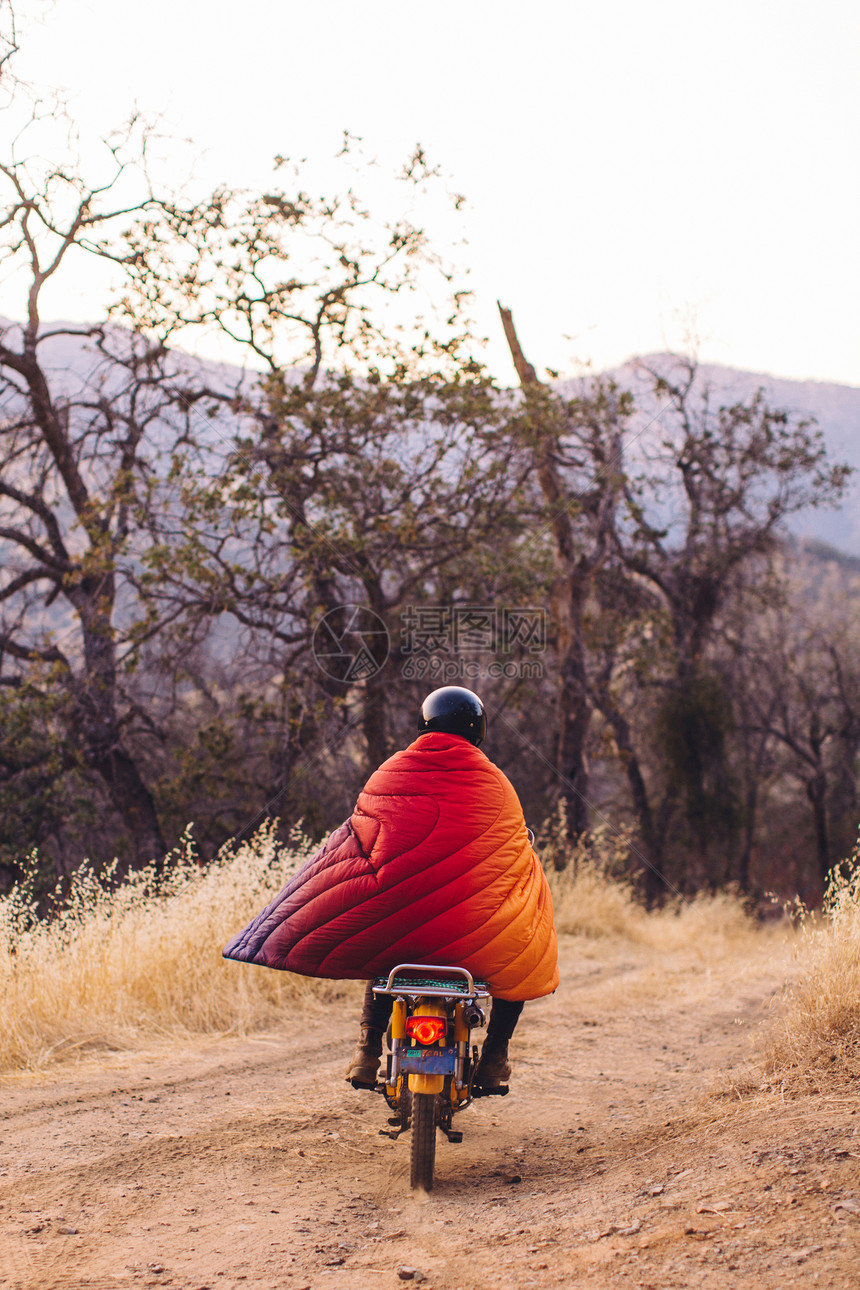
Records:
x=434, y=866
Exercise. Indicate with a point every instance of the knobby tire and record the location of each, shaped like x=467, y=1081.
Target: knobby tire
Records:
x=423, y=1140
x=405, y=1102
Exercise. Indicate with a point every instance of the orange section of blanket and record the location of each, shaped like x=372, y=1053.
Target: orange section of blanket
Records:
x=434, y=866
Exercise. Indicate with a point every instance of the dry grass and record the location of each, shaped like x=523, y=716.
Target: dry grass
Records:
x=816, y=1043
x=689, y=950
x=591, y=899
x=119, y=967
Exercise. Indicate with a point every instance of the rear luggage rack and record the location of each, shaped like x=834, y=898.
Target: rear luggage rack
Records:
x=460, y=982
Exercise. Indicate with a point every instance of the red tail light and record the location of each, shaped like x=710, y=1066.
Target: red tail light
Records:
x=427, y=1030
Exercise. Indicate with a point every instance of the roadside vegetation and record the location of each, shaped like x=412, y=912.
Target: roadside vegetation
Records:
x=816, y=1042
x=812, y=1042
x=120, y=966
x=594, y=896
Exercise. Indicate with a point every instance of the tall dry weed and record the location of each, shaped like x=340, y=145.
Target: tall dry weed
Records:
x=817, y=1040
x=594, y=896
x=121, y=965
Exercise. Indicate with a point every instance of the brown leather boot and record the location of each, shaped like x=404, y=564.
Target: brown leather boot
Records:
x=493, y=1069
x=362, y=1070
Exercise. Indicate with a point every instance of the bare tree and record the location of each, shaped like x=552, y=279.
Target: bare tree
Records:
x=77, y=470
x=365, y=460
x=728, y=477
x=575, y=448
x=8, y=41
x=805, y=698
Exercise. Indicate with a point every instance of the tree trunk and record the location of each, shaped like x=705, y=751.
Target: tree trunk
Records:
x=843, y=794
x=654, y=884
x=374, y=720
x=571, y=584
x=134, y=804
x=99, y=727
x=749, y=837
x=816, y=791
x=574, y=709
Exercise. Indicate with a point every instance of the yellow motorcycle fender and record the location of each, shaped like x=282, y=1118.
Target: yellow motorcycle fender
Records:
x=426, y=1083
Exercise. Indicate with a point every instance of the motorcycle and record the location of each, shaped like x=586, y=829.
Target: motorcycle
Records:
x=431, y=1063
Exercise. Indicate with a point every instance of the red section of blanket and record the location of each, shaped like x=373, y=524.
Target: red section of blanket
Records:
x=434, y=866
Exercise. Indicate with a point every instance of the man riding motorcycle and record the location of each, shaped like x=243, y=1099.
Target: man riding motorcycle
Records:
x=434, y=866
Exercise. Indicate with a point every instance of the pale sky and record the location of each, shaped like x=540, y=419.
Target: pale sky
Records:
x=633, y=171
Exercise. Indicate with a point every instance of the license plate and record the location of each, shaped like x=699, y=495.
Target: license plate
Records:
x=427, y=1061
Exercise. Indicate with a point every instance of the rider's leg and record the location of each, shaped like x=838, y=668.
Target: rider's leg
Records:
x=375, y=1013
x=494, y=1067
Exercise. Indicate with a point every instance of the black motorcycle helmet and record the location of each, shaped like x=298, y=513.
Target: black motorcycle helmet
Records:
x=456, y=711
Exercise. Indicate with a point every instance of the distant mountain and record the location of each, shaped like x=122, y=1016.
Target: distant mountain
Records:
x=835, y=408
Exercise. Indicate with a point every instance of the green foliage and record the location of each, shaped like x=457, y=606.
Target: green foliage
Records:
x=33, y=762
x=693, y=727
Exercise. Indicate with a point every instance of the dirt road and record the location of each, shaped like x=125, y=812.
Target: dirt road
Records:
x=233, y=1164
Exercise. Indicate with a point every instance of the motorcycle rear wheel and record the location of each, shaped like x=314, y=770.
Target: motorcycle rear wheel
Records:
x=405, y=1102
x=423, y=1157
